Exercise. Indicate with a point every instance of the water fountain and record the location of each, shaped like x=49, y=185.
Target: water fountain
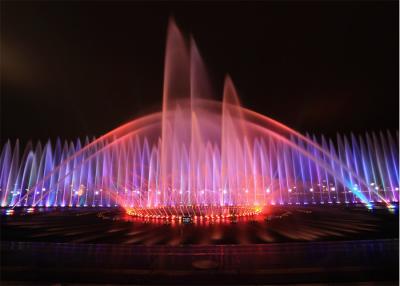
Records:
x=200, y=157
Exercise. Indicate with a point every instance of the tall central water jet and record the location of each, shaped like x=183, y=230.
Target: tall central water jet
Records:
x=190, y=129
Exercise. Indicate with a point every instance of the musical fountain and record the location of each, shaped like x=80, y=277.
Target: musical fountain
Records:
x=201, y=187
x=201, y=158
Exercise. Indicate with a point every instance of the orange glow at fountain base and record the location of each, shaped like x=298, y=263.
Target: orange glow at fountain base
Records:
x=195, y=212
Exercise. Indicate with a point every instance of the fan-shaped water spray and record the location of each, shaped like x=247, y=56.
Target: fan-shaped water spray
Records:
x=201, y=157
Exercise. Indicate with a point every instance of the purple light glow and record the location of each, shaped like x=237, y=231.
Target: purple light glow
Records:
x=200, y=157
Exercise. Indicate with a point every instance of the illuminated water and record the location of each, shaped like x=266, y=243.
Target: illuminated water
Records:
x=201, y=157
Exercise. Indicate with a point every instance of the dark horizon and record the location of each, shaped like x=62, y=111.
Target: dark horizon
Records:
x=74, y=69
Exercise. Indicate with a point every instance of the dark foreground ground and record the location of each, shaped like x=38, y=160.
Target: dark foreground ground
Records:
x=352, y=247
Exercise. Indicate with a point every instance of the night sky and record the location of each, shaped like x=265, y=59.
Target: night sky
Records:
x=72, y=69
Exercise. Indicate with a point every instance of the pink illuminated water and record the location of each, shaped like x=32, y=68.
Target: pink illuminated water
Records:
x=201, y=157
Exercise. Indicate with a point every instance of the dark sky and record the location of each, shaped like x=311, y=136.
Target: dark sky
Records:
x=71, y=69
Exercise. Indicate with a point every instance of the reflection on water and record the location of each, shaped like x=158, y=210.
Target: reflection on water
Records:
x=275, y=225
x=327, y=261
